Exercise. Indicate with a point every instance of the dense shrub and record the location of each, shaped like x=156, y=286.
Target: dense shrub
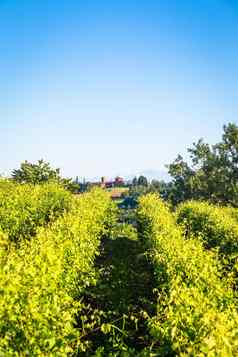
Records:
x=232, y=212
x=216, y=226
x=41, y=282
x=196, y=313
x=24, y=207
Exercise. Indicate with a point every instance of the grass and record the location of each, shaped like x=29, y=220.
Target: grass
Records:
x=116, y=190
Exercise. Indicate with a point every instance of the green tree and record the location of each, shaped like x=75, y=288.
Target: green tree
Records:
x=142, y=181
x=161, y=187
x=39, y=172
x=213, y=172
x=134, y=181
x=42, y=172
x=71, y=185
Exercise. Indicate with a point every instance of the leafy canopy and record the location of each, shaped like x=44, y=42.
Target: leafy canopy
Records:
x=213, y=172
x=42, y=172
x=39, y=172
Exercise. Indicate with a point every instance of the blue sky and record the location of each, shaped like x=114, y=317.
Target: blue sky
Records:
x=114, y=87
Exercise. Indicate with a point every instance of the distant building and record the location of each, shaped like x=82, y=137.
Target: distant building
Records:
x=104, y=183
x=109, y=184
x=119, y=181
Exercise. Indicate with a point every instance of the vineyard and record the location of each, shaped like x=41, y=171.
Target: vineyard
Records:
x=82, y=277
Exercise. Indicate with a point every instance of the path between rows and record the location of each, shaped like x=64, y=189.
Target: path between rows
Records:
x=118, y=306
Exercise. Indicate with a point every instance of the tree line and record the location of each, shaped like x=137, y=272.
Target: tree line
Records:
x=211, y=173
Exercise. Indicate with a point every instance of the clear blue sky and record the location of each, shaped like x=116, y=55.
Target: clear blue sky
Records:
x=109, y=87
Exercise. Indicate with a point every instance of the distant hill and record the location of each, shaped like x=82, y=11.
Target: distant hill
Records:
x=151, y=174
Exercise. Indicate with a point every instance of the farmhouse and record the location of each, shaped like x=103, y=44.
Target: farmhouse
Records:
x=118, y=181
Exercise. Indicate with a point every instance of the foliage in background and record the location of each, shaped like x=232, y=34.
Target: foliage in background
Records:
x=196, y=309
x=140, y=181
x=41, y=172
x=213, y=173
x=137, y=190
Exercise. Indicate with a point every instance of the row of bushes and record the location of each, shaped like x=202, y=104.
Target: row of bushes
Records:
x=216, y=226
x=196, y=311
x=25, y=207
x=41, y=282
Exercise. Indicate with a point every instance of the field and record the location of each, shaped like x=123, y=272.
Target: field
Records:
x=116, y=192
x=81, y=277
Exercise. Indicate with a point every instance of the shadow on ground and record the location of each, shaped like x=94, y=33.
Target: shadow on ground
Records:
x=118, y=306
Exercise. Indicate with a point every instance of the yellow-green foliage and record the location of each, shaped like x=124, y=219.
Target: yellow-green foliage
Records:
x=4, y=245
x=41, y=281
x=196, y=313
x=232, y=211
x=25, y=207
x=215, y=225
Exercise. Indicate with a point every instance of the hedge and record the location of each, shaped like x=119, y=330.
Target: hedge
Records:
x=196, y=311
x=24, y=207
x=216, y=226
x=42, y=281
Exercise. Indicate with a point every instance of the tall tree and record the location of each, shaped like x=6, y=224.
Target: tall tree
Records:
x=134, y=181
x=213, y=172
x=142, y=181
x=39, y=172
x=42, y=172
